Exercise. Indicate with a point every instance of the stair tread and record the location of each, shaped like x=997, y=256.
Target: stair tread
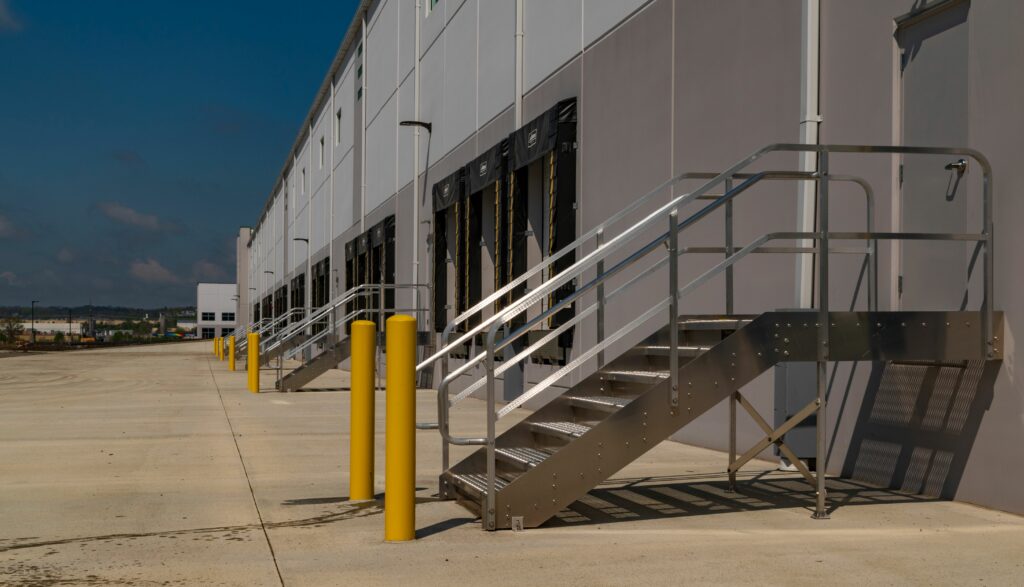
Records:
x=478, y=481
x=568, y=428
x=606, y=400
x=525, y=455
x=664, y=349
x=633, y=375
x=715, y=322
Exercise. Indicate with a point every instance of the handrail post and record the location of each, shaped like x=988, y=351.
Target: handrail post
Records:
x=988, y=347
x=729, y=300
x=599, y=239
x=673, y=305
x=489, y=507
x=820, y=512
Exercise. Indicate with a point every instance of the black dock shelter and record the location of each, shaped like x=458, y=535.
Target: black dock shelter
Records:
x=449, y=194
x=549, y=141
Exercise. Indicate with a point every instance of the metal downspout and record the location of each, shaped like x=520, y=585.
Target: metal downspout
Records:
x=810, y=118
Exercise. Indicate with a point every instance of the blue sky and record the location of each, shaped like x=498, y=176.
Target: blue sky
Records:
x=137, y=136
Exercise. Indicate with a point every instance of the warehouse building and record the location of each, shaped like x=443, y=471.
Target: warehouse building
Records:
x=216, y=309
x=458, y=143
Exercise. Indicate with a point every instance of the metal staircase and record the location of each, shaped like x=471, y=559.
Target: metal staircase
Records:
x=675, y=367
x=320, y=341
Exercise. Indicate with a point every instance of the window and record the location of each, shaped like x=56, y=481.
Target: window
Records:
x=209, y=332
x=431, y=4
x=359, y=94
x=302, y=188
x=209, y=316
x=359, y=72
x=359, y=50
x=321, y=152
x=337, y=127
x=227, y=316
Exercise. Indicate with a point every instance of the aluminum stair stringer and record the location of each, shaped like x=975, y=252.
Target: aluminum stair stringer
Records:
x=554, y=483
x=320, y=364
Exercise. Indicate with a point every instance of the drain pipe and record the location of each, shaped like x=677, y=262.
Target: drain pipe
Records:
x=810, y=118
x=416, y=165
x=362, y=133
x=519, y=64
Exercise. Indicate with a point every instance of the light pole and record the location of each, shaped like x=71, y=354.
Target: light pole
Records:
x=34, y=302
x=417, y=125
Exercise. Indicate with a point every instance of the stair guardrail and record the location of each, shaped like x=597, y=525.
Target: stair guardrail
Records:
x=668, y=214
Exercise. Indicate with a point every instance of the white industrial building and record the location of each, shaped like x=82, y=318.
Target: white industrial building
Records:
x=530, y=123
x=216, y=309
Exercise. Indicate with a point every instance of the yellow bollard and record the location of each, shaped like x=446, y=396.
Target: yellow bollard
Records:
x=361, y=413
x=231, y=353
x=400, y=430
x=252, y=362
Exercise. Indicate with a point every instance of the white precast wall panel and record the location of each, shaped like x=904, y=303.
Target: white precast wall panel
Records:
x=321, y=172
x=320, y=220
x=380, y=156
x=432, y=96
x=381, y=54
x=301, y=190
x=459, y=77
x=343, y=195
x=552, y=35
x=406, y=37
x=497, y=55
x=297, y=251
x=344, y=100
x=599, y=16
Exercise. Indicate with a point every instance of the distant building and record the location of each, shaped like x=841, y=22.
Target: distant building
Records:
x=216, y=309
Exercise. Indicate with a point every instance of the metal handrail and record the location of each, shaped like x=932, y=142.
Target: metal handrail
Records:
x=280, y=326
x=670, y=212
x=445, y=403
x=349, y=296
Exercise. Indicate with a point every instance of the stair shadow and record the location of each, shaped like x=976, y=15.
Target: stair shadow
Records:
x=917, y=425
x=625, y=500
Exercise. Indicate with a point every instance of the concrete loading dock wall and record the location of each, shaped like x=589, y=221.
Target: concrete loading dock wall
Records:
x=665, y=87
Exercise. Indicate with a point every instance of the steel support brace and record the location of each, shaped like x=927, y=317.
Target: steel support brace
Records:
x=673, y=306
x=599, y=239
x=774, y=436
x=732, y=439
x=820, y=465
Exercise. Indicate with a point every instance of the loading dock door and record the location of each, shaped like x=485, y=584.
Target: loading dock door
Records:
x=933, y=75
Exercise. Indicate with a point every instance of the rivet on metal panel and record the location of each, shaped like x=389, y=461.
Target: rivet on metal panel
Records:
x=785, y=341
x=785, y=353
x=644, y=439
x=879, y=324
x=925, y=324
x=903, y=324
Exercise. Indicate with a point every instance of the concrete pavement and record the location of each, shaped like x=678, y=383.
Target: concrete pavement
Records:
x=153, y=465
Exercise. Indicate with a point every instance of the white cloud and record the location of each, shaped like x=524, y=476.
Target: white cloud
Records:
x=10, y=277
x=151, y=271
x=204, y=270
x=65, y=255
x=9, y=23
x=7, y=229
x=126, y=215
